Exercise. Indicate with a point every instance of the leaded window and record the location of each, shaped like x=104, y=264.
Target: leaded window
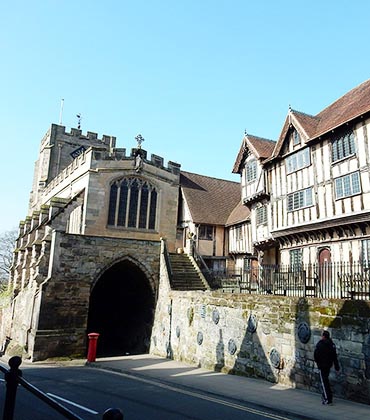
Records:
x=296, y=138
x=295, y=258
x=365, y=250
x=132, y=204
x=300, y=199
x=251, y=168
x=347, y=185
x=261, y=215
x=298, y=160
x=206, y=232
x=343, y=146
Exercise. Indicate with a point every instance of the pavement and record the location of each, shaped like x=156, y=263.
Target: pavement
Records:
x=262, y=393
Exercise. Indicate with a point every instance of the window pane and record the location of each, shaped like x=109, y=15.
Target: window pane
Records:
x=298, y=160
x=143, y=206
x=295, y=257
x=153, y=209
x=122, y=204
x=251, y=170
x=112, y=204
x=290, y=202
x=355, y=183
x=296, y=137
x=339, y=187
x=366, y=252
x=346, y=185
x=133, y=204
x=309, y=197
x=343, y=146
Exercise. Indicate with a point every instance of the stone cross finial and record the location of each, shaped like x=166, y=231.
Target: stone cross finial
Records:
x=139, y=138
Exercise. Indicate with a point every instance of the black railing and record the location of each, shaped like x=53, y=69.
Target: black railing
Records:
x=207, y=273
x=13, y=378
x=330, y=280
x=167, y=259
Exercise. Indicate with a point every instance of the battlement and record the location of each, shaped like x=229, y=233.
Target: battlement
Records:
x=60, y=130
x=120, y=154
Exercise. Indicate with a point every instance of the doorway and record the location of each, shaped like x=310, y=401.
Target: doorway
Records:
x=325, y=274
x=121, y=310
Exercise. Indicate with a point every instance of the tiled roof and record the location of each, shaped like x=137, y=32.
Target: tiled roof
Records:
x=351, y=105
x=210, y=200
x=240, y=214
x=260, y=147
x=309, y=123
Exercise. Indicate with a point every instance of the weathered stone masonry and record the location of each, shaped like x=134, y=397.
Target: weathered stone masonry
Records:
x=59, y=326
x=216, y=331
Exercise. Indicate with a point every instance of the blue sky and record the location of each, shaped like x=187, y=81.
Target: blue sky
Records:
x=190, y=76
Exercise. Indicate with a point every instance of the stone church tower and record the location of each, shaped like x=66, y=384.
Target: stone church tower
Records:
x=87, y=256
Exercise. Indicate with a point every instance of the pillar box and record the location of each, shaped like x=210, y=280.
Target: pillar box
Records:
x=93, y=342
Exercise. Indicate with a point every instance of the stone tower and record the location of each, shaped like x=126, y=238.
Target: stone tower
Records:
x=87, y=255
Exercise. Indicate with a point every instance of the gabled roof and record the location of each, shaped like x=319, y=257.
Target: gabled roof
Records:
x=350, y=106
x=210, y=200
x=260, y=147
x=240, y=214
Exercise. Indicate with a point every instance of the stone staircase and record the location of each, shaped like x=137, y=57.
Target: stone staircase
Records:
x=184, y=274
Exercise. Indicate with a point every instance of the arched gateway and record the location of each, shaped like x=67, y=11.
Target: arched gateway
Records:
x=121, y=310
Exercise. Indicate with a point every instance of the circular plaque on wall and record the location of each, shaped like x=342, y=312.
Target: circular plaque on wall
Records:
x=304, y=332
x=275, y=358
x=252, y=323
x=216, y=316
x=231, y=346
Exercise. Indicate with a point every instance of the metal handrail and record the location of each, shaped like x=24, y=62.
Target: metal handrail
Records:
x=13, y=377
x=167, y=259
x=336, y=280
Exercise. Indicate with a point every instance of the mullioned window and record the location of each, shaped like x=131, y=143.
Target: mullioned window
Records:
x=132, y=204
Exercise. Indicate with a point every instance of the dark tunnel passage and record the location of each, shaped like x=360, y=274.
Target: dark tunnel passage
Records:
x=121, y=310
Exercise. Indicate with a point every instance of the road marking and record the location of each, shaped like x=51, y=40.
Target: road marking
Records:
x=204, y=397
x=72, y=403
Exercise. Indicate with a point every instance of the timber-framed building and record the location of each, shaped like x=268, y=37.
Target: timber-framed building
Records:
x=104, y=227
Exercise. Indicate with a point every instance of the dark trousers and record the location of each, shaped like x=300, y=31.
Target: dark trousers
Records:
x=326, y=390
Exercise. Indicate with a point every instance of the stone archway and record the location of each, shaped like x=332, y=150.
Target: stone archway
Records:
x=121, y=310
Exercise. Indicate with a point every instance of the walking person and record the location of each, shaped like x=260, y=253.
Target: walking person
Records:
x=325, y=356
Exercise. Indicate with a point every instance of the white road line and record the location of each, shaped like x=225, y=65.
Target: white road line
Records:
x=204, y=397
x=72, y=403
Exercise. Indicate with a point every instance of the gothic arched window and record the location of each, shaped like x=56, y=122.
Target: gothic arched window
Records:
x=133, y=204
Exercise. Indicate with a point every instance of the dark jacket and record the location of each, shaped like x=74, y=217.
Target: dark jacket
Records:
x=326, y=354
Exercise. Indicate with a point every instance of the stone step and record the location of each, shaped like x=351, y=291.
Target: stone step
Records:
x=184, y=274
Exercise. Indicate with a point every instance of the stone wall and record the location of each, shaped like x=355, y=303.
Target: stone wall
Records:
x=50, y=319
x=270, y=337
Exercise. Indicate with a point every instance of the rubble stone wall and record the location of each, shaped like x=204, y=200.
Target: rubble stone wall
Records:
x=271, y=337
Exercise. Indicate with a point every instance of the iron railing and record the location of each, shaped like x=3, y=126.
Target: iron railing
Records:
x=338, y=280
x=13, y=378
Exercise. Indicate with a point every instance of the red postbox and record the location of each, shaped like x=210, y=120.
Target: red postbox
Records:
x=93, y=342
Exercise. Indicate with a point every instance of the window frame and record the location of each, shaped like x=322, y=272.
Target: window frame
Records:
x=251, y=170
x=133, y=204
x=295, y=199
x=261, y=215
x=365, y=253
x=298, y=160
x=295, y=258
x=343, y=146
x=206, y=232
x=296, y=138
x=347, y=189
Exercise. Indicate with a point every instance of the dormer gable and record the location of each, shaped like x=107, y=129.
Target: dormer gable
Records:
x=297, y=131
x=260, y=148
x=352, y=106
